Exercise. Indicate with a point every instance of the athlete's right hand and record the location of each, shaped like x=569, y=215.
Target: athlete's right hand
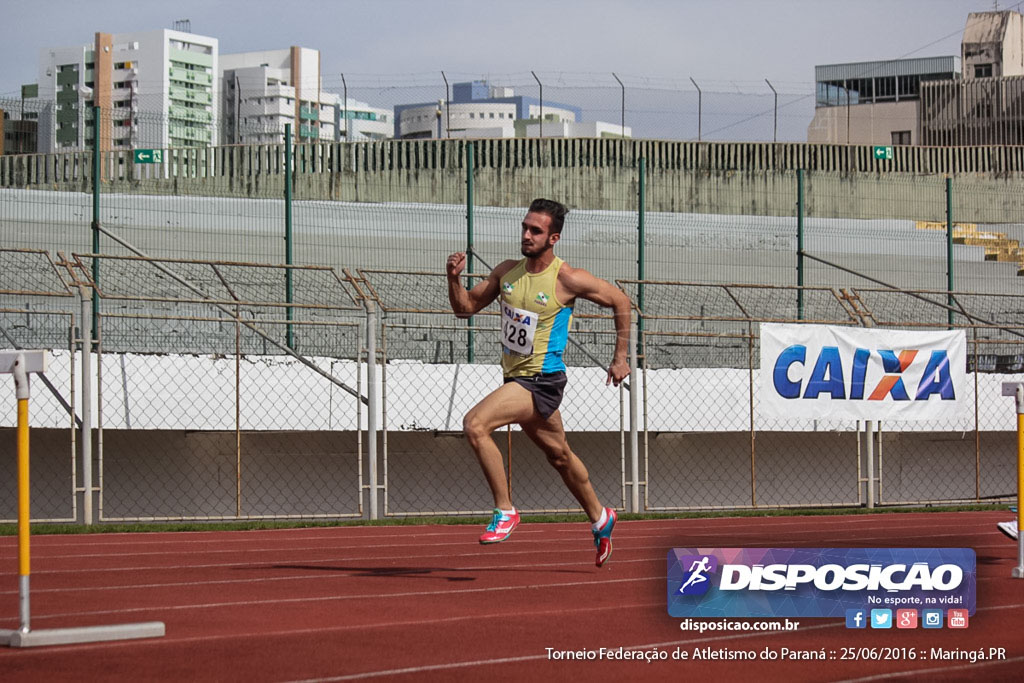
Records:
x=456, y=263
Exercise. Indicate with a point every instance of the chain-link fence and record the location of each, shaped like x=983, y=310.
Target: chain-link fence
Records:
x=430, y=381
x=221, y=263
x=214, y=399
x=39, y=311
x=706, y=444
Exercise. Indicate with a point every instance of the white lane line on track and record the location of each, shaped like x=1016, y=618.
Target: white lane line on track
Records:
x=925, y=672
x=388, y=624
x=525, y=535
x=361, y=532
x=320, y=576
x=171, y=640
x=453, y=592
x=330, y=598
x=349, y=572
x=527, y=658
x=648, y=646
x=518, y=550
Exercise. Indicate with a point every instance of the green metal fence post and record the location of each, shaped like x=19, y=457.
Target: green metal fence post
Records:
x=949, y=248
x=800, y=244
x=641, y=257
x=96, y=180
x=470, y=163
x=290, y=338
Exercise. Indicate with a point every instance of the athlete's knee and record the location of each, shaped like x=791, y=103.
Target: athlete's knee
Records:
x=474, y=428
x=560, y=457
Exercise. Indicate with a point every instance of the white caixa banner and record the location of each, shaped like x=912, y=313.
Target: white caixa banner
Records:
x=823, y=371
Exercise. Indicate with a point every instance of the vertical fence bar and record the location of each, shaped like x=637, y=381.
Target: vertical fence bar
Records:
x=87, y=317
x=869, y=450
x=290, y=338
x=641, y=240
x=373, y=399
x=949, y=248
x=750, y=398
x=96, y=170
x=238, y=414
x=470, y=164
x=634, y=441
x=800, y=244
x=977, y=425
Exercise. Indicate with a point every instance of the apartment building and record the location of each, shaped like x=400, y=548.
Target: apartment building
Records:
x=158, y=87
x=263, y=91
x=478, y=109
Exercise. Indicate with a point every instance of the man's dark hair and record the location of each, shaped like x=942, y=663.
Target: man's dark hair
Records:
x=555, y=210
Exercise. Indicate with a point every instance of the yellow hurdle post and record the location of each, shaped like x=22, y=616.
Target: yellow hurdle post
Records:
x=24, y=514
x=21, y=364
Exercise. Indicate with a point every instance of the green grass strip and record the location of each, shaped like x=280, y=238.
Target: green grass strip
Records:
x=120, y=528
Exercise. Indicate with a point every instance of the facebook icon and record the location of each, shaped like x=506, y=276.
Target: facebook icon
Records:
x=856, y=618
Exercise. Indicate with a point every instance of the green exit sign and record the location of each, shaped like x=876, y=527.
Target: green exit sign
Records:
x=882, y=152
x=149, y=156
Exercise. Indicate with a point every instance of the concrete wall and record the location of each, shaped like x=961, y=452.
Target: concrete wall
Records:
x=735, y=179
x=184, y=474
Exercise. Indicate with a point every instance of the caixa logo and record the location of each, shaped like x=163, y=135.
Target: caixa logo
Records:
x=827, y=375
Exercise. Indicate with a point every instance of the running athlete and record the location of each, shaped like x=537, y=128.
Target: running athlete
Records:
x=536, y=295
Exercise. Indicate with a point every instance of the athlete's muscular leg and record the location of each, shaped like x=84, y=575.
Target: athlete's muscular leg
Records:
x=505, y=405
x=550, y=436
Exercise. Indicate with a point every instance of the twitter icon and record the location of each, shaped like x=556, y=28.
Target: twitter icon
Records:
x=881, y=618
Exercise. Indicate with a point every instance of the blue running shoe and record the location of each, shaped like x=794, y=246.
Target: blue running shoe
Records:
x=603, y=538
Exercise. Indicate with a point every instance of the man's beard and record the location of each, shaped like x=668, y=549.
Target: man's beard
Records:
x=533, y=253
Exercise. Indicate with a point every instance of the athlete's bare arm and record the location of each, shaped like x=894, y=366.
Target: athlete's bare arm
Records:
x=467, y=302
x=576, y=282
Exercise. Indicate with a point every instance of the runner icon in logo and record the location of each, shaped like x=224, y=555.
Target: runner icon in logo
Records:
x=697, y=570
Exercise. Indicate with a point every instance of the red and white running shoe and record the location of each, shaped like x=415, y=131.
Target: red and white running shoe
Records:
x=603, y=538
x=500, y=528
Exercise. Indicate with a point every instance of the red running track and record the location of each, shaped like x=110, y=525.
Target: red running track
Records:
x=427, y=603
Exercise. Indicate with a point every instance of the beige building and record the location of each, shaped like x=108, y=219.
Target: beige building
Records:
x=874, y=103
x=986, y=106
x=993, y=45
x=974, y=99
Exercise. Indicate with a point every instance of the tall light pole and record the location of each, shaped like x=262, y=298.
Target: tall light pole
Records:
x=541, y=86
x=344, y=87
x=700, y=104
x=622, y=130
x=447, y=107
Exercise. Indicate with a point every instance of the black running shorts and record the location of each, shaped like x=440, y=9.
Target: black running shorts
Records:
x=547, y=389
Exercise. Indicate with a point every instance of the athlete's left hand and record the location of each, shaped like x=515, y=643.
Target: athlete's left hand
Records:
x=618, y=371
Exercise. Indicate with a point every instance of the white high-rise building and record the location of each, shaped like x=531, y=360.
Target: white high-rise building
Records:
x=263, y=91
x=159, y=87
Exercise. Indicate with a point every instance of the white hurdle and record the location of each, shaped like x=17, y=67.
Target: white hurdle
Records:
x=1016, y=389
x=21, y=364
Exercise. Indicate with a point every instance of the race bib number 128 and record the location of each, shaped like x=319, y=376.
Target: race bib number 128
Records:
x=518, y=328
